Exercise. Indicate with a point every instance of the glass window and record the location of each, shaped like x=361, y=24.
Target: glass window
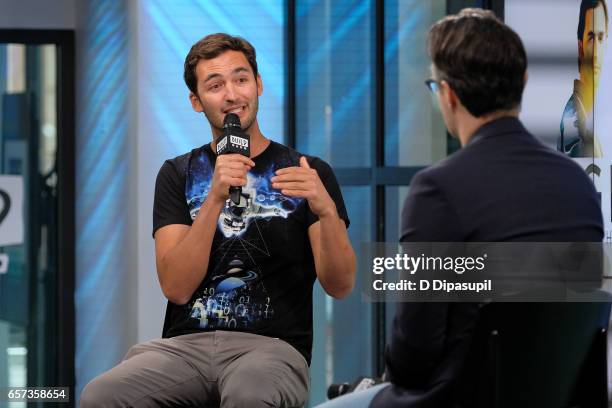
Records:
x=334, y=95
x=28, y=215
x=335, y=120
x=414, y=132
x=342, y=347
x=394, y=204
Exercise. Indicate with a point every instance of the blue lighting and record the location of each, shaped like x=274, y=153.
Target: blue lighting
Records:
x=172, y=28
x=101, y=188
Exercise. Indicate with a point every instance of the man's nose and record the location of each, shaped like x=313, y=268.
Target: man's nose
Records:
x=230, y=94
x=599, y=45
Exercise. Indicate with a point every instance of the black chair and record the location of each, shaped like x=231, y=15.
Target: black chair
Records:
x=538, y=355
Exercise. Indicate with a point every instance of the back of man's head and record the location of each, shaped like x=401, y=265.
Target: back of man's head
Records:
x=482, y=59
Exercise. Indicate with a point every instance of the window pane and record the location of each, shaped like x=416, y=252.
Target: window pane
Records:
x=342, y=347
x=414, y=130
x=28, y=225
x=335, y=96
x=394, y=203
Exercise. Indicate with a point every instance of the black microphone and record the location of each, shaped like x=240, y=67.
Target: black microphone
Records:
x=233, y=140
x=362, y=383
x=336, y=390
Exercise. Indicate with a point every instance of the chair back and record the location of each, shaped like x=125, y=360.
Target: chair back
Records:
x=538, y=355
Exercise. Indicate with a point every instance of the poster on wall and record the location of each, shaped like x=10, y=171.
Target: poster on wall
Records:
x=567, y=102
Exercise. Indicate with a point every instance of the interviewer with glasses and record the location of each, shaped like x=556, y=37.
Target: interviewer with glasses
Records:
x=502, y=185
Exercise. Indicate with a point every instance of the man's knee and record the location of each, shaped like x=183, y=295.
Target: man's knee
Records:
x=248, y=398
x=260, y=393
x=250, y=394
x=101, y=392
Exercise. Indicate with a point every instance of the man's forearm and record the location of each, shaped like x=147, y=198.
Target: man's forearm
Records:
x=336, y=264
x=184, y=267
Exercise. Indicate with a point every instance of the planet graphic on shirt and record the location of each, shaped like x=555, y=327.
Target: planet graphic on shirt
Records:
x=235, y=277
x=230, y=284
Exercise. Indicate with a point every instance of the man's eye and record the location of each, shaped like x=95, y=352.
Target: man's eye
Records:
x=214, y=87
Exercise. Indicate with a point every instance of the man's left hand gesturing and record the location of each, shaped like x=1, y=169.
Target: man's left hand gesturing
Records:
x=304, y=182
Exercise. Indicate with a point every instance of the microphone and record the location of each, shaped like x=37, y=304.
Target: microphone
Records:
x=233, y=140
x=362, y=383
x=336, y=390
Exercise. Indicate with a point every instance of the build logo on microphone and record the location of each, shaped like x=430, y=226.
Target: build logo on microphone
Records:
x=239, y=142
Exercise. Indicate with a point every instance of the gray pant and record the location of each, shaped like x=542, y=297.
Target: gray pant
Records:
x=232, y=369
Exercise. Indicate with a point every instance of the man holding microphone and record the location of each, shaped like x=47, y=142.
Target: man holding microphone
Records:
x=237, y=271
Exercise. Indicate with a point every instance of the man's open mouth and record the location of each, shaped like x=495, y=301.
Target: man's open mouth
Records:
x=237, y=109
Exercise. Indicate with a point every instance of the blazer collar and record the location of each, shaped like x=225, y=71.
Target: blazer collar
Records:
x=508, y=124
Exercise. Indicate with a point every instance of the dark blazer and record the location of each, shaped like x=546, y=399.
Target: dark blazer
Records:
x=504, y=185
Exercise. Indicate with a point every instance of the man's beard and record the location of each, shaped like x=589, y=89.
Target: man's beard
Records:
x=246, y=125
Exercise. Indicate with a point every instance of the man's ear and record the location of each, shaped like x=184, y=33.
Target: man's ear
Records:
x=195, y=102
x=525, y=78
x=448, y=96
x=259, y=85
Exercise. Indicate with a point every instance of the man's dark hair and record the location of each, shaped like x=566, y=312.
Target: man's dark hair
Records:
x=211, y=47
x=585, y=6
x=482, y=59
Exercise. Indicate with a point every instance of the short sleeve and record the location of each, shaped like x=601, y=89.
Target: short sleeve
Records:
x=169, y=204
x=333, y=189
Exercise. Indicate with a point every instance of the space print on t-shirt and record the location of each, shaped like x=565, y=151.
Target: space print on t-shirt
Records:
x=232, y=300
x=233, y=295
x=257, y=200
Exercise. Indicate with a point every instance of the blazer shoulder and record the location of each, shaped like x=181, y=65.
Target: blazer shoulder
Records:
x=443, y=170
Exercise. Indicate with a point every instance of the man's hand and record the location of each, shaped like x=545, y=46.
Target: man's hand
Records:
x=333, y=255
x=304, y=182
x=230, y=171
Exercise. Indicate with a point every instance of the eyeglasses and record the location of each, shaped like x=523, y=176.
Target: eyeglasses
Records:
x=432, y=85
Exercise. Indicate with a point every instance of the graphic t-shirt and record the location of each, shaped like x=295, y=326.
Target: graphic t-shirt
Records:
x=261, y=269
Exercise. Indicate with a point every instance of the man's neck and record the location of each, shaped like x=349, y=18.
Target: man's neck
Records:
x=259, y=143
x=470, y=124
